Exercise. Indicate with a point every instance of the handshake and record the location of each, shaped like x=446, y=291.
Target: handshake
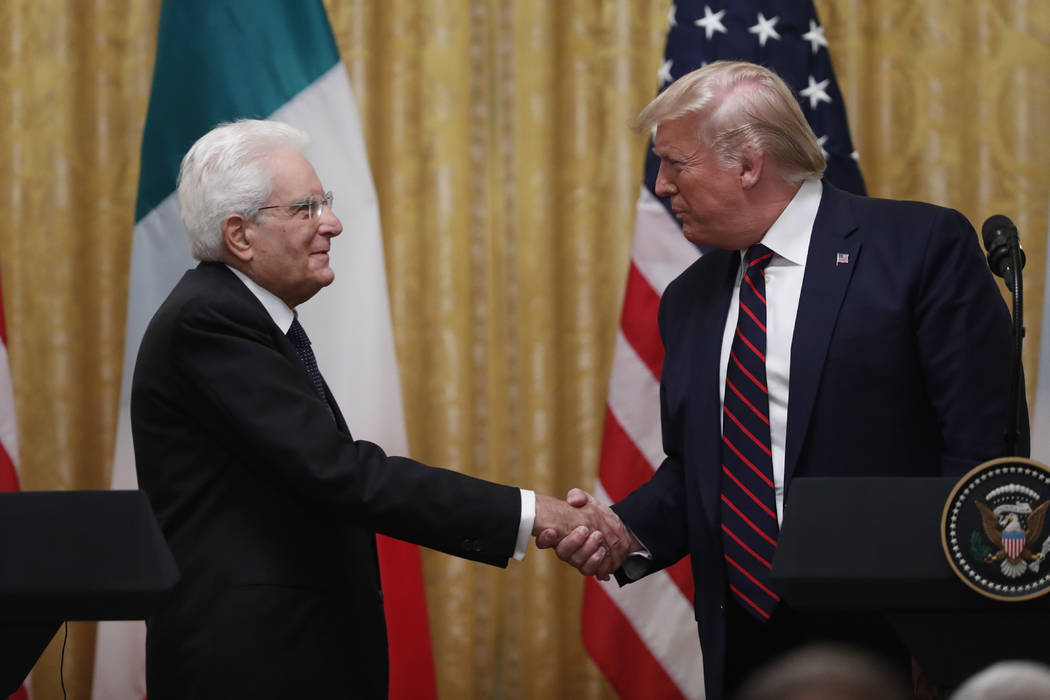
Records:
x=583, y=533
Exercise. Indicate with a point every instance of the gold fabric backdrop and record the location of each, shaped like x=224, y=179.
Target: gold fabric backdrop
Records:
x=507, y=180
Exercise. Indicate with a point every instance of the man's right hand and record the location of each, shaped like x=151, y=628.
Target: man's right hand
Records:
x=584, y=533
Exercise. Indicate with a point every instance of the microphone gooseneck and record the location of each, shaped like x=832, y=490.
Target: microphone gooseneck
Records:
x=1005, y=258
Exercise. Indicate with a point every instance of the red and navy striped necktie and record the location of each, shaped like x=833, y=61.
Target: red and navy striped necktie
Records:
x=749, y=512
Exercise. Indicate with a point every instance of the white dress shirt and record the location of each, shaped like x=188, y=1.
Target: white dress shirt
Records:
x=283, y=316
x=788, y=238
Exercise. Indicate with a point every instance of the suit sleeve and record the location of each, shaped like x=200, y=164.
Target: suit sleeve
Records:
x=256, y=397
x=964, y=342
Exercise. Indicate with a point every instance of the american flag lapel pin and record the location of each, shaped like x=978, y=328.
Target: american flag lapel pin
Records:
x=841, y=259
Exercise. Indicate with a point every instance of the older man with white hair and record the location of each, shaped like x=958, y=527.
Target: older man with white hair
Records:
x=268, y=503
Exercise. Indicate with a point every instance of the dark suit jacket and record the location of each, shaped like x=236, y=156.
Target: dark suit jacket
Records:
x=899, y=367
x=270, y=507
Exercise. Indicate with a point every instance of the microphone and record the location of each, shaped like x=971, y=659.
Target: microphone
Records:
x=1000, y=238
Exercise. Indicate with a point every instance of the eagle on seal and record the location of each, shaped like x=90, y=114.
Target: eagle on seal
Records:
x=1010, y=528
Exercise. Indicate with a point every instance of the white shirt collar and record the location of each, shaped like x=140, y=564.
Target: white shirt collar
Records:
x=789, y=235
x=280, y=312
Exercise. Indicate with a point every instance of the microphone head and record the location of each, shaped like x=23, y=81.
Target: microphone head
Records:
x=995, y=226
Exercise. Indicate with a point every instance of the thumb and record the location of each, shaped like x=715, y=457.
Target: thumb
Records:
x=547, y=538
x=577, y=498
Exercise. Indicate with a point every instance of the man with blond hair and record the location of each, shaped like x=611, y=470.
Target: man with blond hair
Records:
x=822, y=334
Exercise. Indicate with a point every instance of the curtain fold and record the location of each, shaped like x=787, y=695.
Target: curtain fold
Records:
x=507, y=176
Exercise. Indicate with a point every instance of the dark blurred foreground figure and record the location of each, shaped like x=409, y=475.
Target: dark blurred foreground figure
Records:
x=267, y=501
x=825, y=673
x=1007, y=680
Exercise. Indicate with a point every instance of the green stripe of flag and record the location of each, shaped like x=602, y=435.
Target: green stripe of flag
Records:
x=267, y=52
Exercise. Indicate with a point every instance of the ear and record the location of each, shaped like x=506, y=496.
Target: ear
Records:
x=751, y=165
x=237, y=234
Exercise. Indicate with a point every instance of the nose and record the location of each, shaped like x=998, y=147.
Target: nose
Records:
x=664, y=186
x=331, y=226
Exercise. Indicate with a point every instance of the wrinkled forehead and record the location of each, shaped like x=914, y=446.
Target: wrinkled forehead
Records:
x=291, y=174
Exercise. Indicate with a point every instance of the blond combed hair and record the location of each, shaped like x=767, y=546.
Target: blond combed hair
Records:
x=746, y=108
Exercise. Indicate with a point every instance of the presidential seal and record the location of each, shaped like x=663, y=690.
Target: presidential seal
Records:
x=993, y=531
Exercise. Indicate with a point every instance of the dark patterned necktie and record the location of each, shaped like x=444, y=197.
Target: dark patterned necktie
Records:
x=299, y=339
x=749, y=512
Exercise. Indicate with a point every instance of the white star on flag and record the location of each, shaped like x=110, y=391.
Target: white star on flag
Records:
x=671, y=21
x=815, y=36
x=820, y=142
x=816, y=92
x=711, y=22
x=665, y=72
x=765, y=29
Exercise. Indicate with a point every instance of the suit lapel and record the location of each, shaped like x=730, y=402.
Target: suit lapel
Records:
x=833, y=255
x=708, y=352
x=228, y=280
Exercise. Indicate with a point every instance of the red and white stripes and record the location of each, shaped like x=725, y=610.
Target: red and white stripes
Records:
x=8, y=426
x=642, y=636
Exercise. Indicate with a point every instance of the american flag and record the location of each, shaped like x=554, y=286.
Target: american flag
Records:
x=643, y=636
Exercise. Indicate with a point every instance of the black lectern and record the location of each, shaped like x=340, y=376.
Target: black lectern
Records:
x=74, y=555
x=875, y=544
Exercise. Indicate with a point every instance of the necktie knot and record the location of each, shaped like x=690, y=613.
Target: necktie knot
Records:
x=757, y=257
x=298, y=336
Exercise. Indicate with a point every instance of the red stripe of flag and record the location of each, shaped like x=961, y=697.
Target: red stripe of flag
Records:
x=8, y=472
x=622, y=458
x=638, y=320
x=8, y=475
x=618, y=650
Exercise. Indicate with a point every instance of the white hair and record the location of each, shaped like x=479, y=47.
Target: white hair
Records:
x=224, y=173
x=1007, y=680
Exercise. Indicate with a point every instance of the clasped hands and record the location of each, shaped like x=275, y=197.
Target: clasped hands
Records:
x=583, y=533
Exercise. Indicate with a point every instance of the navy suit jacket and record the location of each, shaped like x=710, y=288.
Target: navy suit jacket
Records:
x=899, y=367
x=271, y=508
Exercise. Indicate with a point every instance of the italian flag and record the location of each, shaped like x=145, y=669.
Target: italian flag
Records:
x=219, y=60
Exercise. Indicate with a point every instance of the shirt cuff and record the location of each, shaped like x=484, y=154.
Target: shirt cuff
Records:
x=637, y=564
x=528, y=517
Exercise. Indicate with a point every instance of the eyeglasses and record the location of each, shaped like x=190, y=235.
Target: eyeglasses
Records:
x=311, y=205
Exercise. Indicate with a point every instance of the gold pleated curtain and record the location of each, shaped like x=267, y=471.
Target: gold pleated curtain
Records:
x=507, y=179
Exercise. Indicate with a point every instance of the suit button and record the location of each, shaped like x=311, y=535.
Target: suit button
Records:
x=471, y=545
